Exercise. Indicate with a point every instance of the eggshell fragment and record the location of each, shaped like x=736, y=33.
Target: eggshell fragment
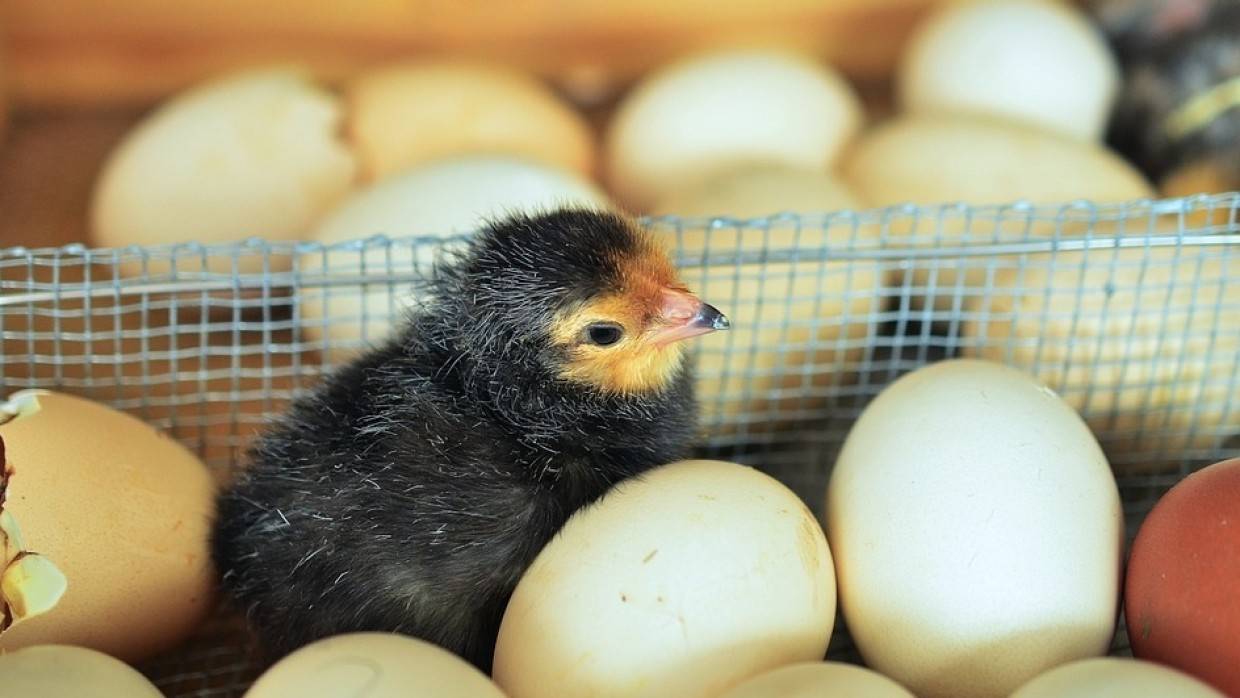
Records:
x=680, y=583
x=1113, y=677
x=251, y=154
x=1035, y=61
x=450, y=197
x=797, y=327
x=121, y=511
x=408, y=114
x=720, y=110
x=819, y=680
x=374, y=665
x=977, y=532
x=61, y=671
x=1182, y=592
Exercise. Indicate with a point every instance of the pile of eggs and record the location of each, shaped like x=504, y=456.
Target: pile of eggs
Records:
x=973, y=543
x=973, y=534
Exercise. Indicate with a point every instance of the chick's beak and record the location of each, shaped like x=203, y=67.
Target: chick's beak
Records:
x=682, y=315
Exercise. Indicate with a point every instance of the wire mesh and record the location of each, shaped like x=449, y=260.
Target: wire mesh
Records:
x=1130, y=311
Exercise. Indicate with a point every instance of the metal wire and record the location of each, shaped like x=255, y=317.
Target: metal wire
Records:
x=1130, y=311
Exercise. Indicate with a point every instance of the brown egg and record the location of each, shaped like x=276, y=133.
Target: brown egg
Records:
x=373, y=665
x=1182, y=592
x=61, y=671
x=412, y=113
x=105, y=523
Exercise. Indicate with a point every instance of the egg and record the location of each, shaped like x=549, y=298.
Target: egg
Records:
x=798, y=328
x=1036, y=61
x=250, y=154
x=679, y=583
x=719, y=110
x=977, y=532
x=934, y=159
x=819, y=680
x=374, y=665
x=118, y=516
x=1140, y=340
x=412, y=113
x=441, y=199
x=1113, y=677
x=63, y=671
x=1182, y=590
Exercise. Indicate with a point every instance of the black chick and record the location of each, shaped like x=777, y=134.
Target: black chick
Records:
x=413, y=487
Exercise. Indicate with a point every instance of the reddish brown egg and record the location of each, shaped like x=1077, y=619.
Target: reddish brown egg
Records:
x=1183, y=586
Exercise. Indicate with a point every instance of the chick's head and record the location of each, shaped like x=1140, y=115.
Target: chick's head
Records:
x=589, y=296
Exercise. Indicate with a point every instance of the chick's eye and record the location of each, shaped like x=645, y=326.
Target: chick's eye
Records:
x=604, y=333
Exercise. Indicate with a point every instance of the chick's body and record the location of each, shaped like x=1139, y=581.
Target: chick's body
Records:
x=413, y=487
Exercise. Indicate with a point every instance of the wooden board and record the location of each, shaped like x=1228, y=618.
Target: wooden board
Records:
x=89, y=52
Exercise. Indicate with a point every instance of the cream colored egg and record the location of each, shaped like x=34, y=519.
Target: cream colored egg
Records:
x=819, y=680
x=977, y=532
x=1142, y=341
x=62, y=671
x=798, y=329
x=680, y=583
x=252, y=154
x=118, y=515
x=441, y=199
x=716, y=111
x=373, y=665
x=412, y=113
x=934, y=160
x=1035, y=61
x=1113, y=677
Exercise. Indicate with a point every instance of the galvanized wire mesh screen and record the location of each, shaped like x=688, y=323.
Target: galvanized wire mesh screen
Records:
x=1131, y=312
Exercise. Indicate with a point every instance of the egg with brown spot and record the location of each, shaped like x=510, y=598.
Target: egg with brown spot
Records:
x=680, y=583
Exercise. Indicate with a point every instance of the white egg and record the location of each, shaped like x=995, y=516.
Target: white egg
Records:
x=819, y=680
x=679, y=583
x=252, y=154
x=441, y=199
x=1114, y=677
x=977, y=532
x=798, y=327
x=1037, y=61
x=716, y=111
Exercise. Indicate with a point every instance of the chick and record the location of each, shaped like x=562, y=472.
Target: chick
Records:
x=413, y=487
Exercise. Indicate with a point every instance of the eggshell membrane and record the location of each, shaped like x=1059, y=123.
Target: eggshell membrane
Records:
x=1113, y=677
x=796, y=327
x=819, y=680
x=977, y=532
x=1182, y=592
x=1035, y=61
x=412, y=113
x=123, y=511
x=374, y=665
x=61, y=671
x=682, y=582
x=1143, y=341
x=442, y=199
x=251, y=154
x=715, y=111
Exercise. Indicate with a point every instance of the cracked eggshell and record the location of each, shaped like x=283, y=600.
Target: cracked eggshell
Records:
x=680, y=583
x=122, y=511
x=55, y=671
x=374, y=665
x=407, y=114
x=977, y=532
x=252, y=154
